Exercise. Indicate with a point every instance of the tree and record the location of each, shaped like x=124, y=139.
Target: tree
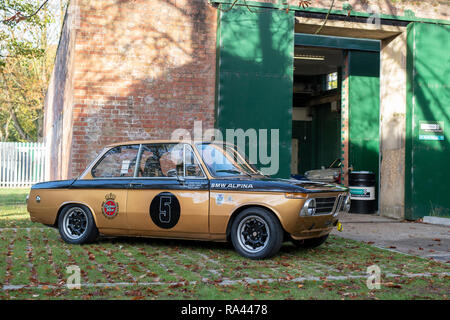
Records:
x=20, y=17
x=26, y=60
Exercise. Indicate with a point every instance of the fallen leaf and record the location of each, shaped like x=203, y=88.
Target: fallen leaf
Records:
x=392, y=285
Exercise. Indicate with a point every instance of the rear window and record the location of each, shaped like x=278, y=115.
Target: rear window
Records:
x=116, y=163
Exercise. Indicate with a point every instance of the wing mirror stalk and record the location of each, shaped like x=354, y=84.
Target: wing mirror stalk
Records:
x=174, y=173
x=181, y=179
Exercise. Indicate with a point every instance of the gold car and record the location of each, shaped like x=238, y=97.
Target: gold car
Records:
x=178, y=190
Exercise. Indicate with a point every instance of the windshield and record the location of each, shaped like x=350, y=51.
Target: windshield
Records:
x=224, y=160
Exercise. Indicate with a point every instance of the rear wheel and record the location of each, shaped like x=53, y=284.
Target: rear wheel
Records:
x=256, y=233
x=310, y=243
x=76, y=225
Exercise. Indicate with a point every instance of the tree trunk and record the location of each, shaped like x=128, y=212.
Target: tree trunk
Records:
x=17, y=125
x=4, y=137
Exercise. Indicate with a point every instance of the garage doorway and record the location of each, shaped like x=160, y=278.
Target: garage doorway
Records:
x=336, y=105
x=316, y=115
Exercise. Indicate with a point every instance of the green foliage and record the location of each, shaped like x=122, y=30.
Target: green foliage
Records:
x=19, y=21
x=26, y=60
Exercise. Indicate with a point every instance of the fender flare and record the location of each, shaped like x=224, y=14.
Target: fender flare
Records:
x=74, y=202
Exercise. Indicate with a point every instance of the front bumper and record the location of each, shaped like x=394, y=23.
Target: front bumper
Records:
x=323, y=220
x=313, y=227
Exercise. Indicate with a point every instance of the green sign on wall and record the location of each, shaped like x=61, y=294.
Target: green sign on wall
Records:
x=431, y=130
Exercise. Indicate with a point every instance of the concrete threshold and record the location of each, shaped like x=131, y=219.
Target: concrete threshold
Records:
x=437, y=221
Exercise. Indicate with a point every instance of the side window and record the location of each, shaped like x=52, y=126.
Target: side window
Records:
x=167, y=160
x=172, y=160
x=161, y=160
x=193, y=168
x=149, y=165
x=118, y=162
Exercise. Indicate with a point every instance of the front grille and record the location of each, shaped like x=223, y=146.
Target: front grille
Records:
x=340, y=204
x=325, y=205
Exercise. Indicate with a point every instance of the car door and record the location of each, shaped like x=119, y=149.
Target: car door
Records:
x=169, y=195
x=105, y=191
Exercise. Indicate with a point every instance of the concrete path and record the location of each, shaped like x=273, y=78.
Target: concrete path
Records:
x=420, y=239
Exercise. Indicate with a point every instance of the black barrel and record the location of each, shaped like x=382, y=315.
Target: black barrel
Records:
x=362, y=191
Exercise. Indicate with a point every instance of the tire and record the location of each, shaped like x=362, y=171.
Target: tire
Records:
x=256, y=234
x=76, y=225
x=310, y=243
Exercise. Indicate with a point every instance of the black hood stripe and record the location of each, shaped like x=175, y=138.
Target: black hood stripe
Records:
x=244, y=185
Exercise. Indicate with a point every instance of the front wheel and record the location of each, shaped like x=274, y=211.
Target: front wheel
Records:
x=310, y=243
x=76, y=225
x=256, y=234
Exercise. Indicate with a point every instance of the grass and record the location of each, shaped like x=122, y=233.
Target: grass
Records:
x=35, y=259
x=439, y=212
x=348, y=290
x=13, y=208
x=10, y=196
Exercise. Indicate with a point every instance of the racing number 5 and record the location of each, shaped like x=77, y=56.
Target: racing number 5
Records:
x=164, y=209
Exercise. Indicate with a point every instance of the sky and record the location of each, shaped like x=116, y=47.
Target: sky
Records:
x=55, y=27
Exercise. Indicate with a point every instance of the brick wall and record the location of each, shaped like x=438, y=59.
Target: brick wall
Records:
x=142, y=69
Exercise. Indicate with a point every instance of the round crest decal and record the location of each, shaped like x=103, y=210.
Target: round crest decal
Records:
x=110, y=208
x=165, y=210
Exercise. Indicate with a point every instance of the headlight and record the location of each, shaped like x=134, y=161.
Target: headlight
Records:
x=309, y=208
x=347, y=204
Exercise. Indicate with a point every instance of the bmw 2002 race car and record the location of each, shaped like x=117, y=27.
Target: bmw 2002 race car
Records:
x=178, y=190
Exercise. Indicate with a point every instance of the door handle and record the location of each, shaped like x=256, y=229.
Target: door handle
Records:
x=136, y=185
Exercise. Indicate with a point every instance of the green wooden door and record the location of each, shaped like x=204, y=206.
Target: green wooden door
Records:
x=255, y=75
x=327, y=135
x=302, y=131
x=364, y=111
x=428, y=121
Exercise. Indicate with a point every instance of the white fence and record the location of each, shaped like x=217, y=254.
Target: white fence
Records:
x=21, y=164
